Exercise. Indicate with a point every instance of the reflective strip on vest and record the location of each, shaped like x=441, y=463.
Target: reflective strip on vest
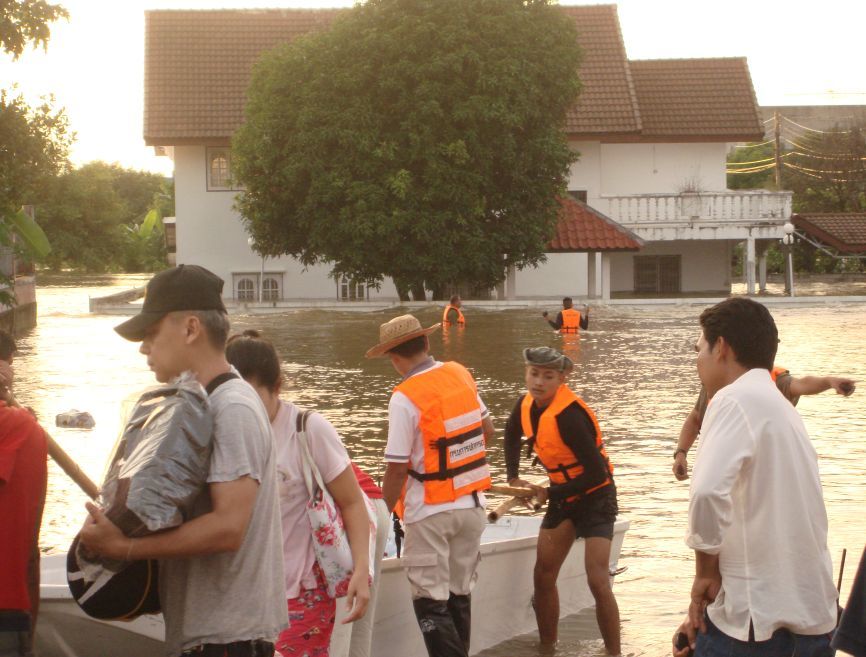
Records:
x=455, y=456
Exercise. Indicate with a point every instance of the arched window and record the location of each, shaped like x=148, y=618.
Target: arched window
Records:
x=218, y=169
x=352, y=291
x=246, y=290
x=270, y=289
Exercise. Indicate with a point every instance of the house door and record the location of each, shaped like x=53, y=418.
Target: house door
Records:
x=657, y=274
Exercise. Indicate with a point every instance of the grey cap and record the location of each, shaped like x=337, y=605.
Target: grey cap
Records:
x=548, y=358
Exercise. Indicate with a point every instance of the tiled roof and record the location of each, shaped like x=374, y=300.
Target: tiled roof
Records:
x=697, y=98
x=607, y=100
x=844, y=231
x=583, y=229
x=198, y=66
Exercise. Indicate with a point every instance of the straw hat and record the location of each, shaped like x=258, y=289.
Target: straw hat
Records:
x=397, y=331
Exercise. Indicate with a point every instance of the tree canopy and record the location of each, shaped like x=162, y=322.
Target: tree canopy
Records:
x=417, y=139
x=26, y=21
x=98, y=218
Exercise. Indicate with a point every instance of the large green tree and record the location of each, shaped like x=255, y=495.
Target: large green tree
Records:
x=98, y=218
x=417, y=139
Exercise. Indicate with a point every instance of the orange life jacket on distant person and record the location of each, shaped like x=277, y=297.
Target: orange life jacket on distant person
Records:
x=776, y=372
x=455, y=456
x=461, y=320
x=557, y=458
x=570, y=321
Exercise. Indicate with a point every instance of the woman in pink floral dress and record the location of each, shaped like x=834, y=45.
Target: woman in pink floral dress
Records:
x=311, y=610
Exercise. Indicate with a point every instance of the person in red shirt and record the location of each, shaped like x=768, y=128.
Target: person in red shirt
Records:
x=23, y=479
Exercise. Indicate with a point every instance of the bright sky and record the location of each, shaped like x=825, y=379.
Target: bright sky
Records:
x=799, y=53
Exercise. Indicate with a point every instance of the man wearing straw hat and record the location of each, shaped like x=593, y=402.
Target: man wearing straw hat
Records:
x=438, y=429
x=565, y=436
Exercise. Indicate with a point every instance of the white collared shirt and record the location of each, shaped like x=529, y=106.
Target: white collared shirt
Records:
x=756, y=501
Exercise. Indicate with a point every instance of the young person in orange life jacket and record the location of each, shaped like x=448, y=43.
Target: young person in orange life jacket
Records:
x=565, y=436
x=568, y=320
x=452, y=315
x=438, y=429
x=792, y=388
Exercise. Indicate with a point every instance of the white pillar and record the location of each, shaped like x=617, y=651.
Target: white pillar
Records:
x=762, y=271
x=511, y=283
x=605, y=277
x=591, y=277
x=749, y=265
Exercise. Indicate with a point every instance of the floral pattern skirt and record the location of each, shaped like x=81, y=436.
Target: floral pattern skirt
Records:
x=311, y=622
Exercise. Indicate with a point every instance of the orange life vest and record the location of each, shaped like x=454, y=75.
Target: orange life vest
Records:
x=455, y=456
x=461, y=320
x=776, y=372
x=570, y=321
x=557, y=458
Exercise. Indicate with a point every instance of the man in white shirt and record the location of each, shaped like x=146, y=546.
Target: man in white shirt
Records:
x=757, y=522
x=438, y=429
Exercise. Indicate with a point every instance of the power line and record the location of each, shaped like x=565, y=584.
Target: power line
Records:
x=765, y=167
x=825, y=132
x=763, y=143
x=769, y=159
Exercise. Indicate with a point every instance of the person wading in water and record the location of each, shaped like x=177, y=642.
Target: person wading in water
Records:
x=565, y=436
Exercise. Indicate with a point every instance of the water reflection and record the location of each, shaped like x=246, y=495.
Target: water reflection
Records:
x=635, y=367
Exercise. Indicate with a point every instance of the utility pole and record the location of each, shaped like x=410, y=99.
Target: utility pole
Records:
x=777, y=149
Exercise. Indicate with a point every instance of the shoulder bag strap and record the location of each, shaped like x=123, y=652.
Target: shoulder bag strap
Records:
x=217, y=381
x=312, y=476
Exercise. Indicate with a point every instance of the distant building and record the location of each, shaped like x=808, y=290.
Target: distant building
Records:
x=652, y=137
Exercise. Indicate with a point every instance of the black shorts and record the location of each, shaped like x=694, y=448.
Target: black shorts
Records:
x=592, y=516
x=255, y=648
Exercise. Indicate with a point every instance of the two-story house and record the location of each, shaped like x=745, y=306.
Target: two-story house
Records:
x=652, y=137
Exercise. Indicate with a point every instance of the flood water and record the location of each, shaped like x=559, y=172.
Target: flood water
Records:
x=635, y=367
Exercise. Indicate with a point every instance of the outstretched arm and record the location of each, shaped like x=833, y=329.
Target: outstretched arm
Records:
x=813, y=385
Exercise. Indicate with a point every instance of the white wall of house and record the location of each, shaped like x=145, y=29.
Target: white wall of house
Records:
x=586, y=172
x=564, y=274
x=705, y=265
x=210, y=233
x=661, y=168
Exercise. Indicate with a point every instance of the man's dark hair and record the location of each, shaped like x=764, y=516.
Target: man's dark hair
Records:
x=456, y=297
x=747, y=327
x=7, y=345
x=567, y=302
x=411, y=347
x=255, y=358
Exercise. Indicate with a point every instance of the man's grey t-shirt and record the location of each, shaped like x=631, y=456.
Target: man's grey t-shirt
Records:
x=232, y=596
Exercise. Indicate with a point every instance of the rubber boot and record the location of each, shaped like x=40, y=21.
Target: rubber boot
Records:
x=437, y=628
x=460, y=608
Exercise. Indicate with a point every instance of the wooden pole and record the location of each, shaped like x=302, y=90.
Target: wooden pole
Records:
x=777, y=148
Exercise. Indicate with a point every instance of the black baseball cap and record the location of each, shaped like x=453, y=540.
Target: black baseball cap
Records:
x=185, y=287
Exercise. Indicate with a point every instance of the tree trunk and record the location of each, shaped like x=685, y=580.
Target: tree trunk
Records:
x=418, y=292
x=402, y=289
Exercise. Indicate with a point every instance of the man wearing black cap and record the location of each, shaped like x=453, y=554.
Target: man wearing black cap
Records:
x=565, y=436
x=221, y=573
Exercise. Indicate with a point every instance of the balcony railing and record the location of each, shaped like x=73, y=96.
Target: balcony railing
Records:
x=689, y=207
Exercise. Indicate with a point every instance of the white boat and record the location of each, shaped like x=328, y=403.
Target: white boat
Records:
x=501, y=601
